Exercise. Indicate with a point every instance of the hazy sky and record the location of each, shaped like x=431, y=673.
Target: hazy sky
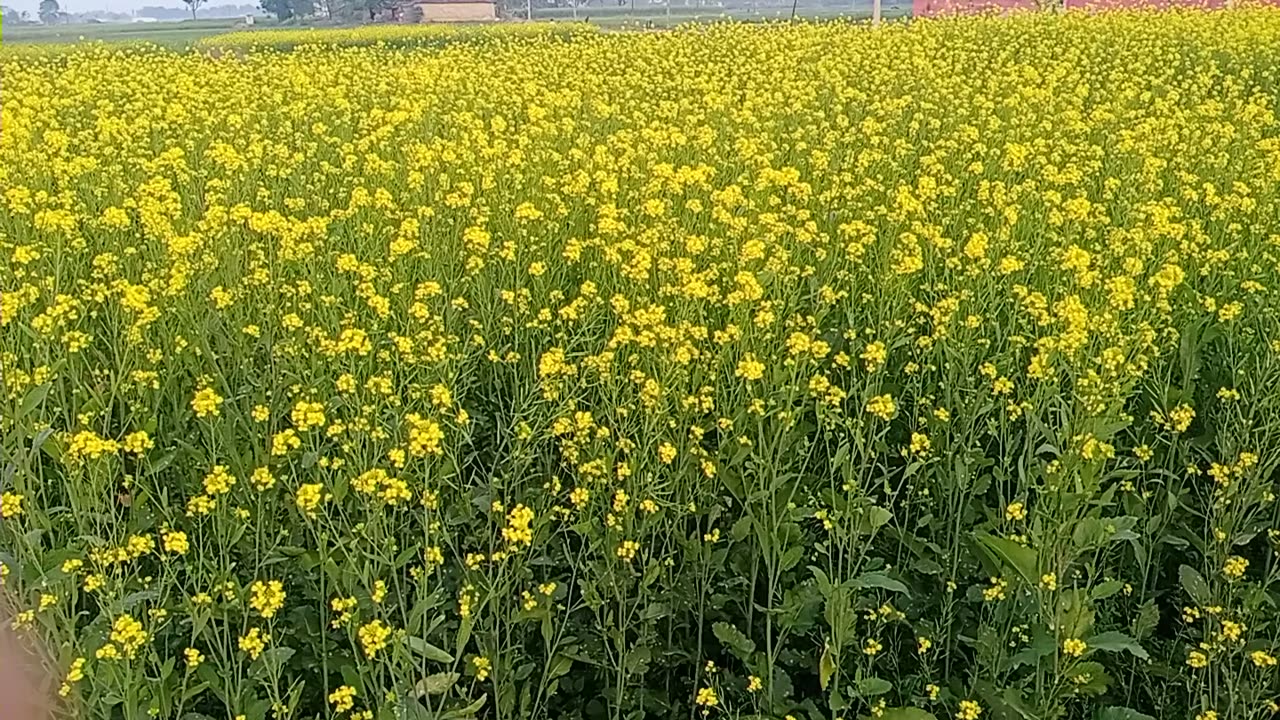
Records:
x=112, y=5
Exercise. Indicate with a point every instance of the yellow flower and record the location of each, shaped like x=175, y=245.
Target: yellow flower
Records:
x=206, y=403
x=920, y=444
x=253, y=643
x=128, y=634
x=996, y=591
x=262, y=479
x=373, y=637
x=882, y=406
x=706, y=698
x=969, y=710
x=218, y=481
x=307, y=415
x=1074, y=647
x=10, y=505
x=749, y=368
x=309, y=497
x=874, y=356
x=482, y=667
x=193, y=658
x=175, y=541
x=1235, y=567
x=518, y=530
x=342, y=698
x=627, y=550
x=266, y=597
x=138, y=443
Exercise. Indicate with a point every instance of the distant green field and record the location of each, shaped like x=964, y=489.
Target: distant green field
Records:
x=161, y=33
x=187, y=32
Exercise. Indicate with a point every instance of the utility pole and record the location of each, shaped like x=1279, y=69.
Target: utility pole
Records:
x=875, y=13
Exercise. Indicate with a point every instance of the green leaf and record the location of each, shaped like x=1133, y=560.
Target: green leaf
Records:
x=906, y=713
x=1021, y=559
x=1117, y=642
x=429, y=651
x=872, y=686
x=1089, y=678
x=879, y=580
x=272, y=661
x=413, y=710
x=32, y=399
x=655, y=611
x=1087, y=532
x=874, y=518
x=560, y=666
x=1040, y=647
x=464, y=713
x=826, y=667
x=1148, y=617
x=1193, y=582
x=732, y=637
x=437, y=684
x=1106, y=589
x=1122, y=713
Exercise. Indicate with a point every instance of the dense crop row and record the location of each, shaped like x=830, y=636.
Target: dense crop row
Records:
x=777, y=371
x=432, y=35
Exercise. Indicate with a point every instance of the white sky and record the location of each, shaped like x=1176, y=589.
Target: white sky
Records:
x=112, y=5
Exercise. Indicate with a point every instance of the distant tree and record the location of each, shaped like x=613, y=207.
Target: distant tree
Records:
x=194, y=5
x=373, y=7
x=9, y=16
x=49, y=11
x=282, y=9
x=285, y=9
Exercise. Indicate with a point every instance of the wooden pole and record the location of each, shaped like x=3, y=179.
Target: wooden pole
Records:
x=875, y=13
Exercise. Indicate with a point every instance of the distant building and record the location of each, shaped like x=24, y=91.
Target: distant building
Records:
x=445, y=11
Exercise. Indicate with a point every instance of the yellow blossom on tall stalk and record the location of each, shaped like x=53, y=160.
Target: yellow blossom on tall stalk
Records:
x=266, y=598
x=373, y=637
x=206, y=403
x=882, y=406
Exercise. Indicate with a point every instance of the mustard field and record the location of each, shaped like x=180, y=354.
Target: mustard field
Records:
x=774, y=371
